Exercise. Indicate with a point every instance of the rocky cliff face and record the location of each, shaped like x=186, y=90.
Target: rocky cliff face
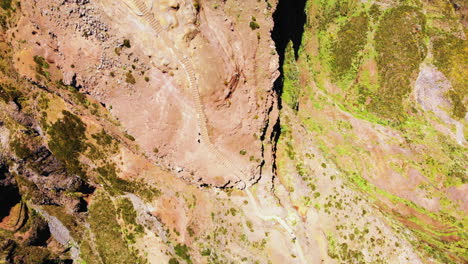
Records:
x=223, y=131
x=114, y=53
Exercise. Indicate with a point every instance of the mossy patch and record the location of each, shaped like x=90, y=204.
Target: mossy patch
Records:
x=129, y=78
x=5, y=4
x=41, y=67
x=128, y=214
x=67, y=136
x=399, y=42
x=451, y=58
x=116, y=185
x=350, y=41
x=109, y=239
x=291, y=85
x=21, y=150
x=10, y=93
x=183, y=252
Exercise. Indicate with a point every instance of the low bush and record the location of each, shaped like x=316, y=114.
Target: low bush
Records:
x=67, y=136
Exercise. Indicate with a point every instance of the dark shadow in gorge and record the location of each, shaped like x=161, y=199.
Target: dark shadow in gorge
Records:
x=290, y=18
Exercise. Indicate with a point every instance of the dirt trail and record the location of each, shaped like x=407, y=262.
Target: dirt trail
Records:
x=202, y=123
x=281, y=222
x=186, y=65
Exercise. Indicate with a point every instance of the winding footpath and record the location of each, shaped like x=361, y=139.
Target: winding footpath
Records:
x=281, y=222
x=187, y=66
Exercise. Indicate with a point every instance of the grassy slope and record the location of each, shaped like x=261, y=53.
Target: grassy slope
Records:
x=360, y=59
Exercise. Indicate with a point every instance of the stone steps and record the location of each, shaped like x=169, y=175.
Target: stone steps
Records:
x=201, y=117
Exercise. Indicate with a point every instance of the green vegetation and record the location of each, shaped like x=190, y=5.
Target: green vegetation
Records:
x=33, y=254
x=129, y=136
x=68, y=220
x=349, y=43
x=173, y=261
x=129, y=78
x=196, y=5
x=399, y=42
x=116, y=185
x=76, y=96
x=10, y=93
x=458, y=108
x=206, y=252
x=183, y=252
x=128, y=214
x=126, y=43
x=102, y=138
x=109, y=240
x=342, y=252
x=5, y=4
x=253, y=23
x=87, y=253
x=374, y=57
x=20, y=149
x=451, y=58
x=42, y=66
x=67, y=136
x=291, y=85
x=43, y=101
x=41, y=62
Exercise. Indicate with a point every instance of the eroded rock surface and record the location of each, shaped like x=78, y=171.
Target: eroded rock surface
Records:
x=226, y=131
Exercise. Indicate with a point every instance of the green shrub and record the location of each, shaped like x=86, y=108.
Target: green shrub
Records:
x=253, y=24
x=291, y=85
x=129, y=215
x=129, y=136
x=102, y=138
x=119, y=186
x=67, y=136
x=5, y=4
x=39, y=60
x=109, y=240
x=190, y=231
x=182, y=251
x=33, y=254
x=350, y=41
x=206, y=252
x=451, y=59
x=10, y=93
x=173, y=261
x=400, y=49
x=196, y=5
x=458, y=108
x=129, y=78
x=41, y=65
x=126, y=43
x=21, y=150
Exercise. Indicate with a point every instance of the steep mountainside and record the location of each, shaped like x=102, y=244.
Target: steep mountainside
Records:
x=224, y=131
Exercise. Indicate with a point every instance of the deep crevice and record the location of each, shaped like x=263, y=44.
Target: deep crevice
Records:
x=290, y=19
x=9, y=192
